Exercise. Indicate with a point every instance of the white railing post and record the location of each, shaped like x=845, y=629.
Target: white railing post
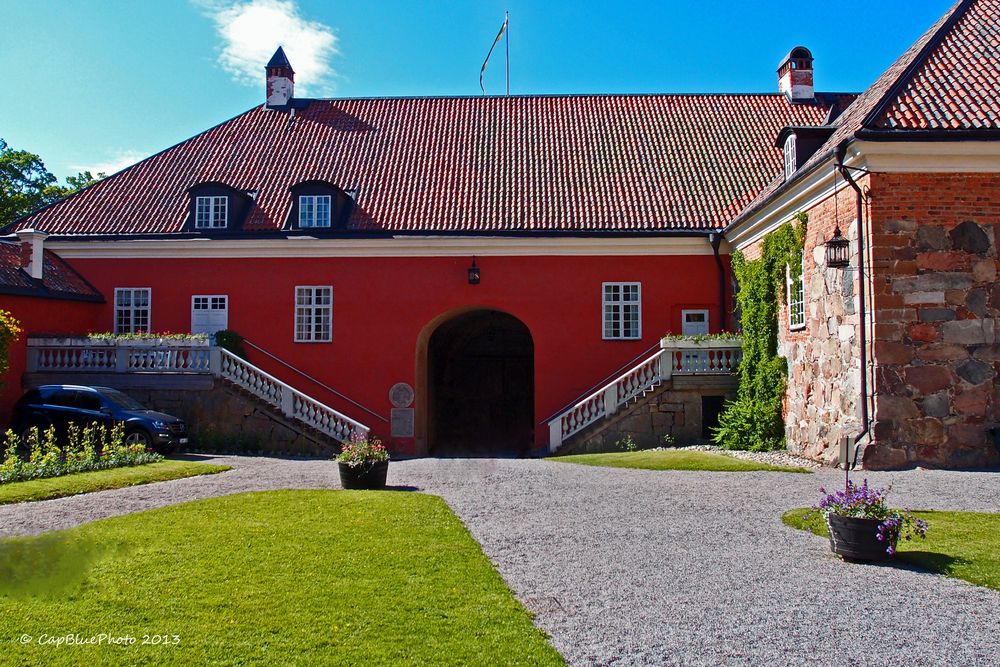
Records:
x=555, y=434
x=665, y=364
x=215, y=361
x=33, y=353
x=611, y=399
x=287, y=401
x=121, y=359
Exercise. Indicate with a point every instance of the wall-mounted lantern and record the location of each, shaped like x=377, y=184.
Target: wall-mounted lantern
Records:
x=837, y=250
x=474, y=272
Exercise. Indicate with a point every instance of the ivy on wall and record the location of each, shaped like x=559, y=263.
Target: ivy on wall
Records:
x=753, y=421
x=10, y=329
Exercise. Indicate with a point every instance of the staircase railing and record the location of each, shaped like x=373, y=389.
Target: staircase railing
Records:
x=292, y=402
x=82, y=355
x=674, y=358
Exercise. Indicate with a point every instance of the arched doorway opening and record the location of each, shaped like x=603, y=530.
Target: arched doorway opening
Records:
x=480, y=386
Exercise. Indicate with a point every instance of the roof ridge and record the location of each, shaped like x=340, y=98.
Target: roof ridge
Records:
x=567, y=96
x=957, y=11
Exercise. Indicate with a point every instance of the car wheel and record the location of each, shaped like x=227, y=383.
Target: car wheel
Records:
x=138, y=437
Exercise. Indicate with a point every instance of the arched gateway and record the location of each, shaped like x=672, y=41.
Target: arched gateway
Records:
x=480, y=386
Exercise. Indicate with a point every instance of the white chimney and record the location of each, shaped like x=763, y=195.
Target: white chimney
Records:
x=795, y=75
x=32, y=251
x=280, y=80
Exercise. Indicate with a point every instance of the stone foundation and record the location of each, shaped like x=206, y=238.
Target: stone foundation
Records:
x=673, y=409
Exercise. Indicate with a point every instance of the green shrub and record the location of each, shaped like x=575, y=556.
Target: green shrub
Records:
x=753, y=421
x=231, y=341
x=92, y=447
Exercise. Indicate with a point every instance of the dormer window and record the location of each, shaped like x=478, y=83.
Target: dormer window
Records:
x=314, y=211
x=319, y=205
x=790, y=161
x=211, y=212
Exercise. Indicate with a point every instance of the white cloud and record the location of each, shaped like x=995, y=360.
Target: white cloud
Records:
x=119, y=160
x=252, y=29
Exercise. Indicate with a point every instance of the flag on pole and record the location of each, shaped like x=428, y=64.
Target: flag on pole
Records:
x=496, y=41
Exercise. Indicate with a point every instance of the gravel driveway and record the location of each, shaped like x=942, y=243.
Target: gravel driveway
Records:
x=637, y=567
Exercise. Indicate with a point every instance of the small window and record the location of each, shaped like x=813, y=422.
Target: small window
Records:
x=132, y=308
x=314, y=314
x=211, y=212
x=790, y=165
x=314, y=211
x=796, y=298
x=622, y=306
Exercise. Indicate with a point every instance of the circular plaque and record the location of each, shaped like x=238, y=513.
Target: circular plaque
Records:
x=401, y=395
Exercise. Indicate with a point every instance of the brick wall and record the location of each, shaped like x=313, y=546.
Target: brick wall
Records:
x=937, y=306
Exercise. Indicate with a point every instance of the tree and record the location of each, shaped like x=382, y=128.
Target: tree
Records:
x=26, y=185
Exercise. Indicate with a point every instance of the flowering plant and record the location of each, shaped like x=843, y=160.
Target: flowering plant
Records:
x=362, y=450
x=863, y=502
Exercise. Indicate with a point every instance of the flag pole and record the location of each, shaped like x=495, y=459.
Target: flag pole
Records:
x=506, y=21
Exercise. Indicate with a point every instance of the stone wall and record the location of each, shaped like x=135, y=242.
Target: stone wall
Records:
x=823, y=396
x=674, y=409
x=937, y=306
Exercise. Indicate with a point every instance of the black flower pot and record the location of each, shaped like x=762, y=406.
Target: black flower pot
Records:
x=857, y=539
x=364, y=476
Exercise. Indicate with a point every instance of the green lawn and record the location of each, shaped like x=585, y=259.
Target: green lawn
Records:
x=99, y=480
x=964, y=545
x=672, y=459
x=274, y=578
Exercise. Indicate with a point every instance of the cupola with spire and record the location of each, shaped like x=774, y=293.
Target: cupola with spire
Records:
x=280, y=80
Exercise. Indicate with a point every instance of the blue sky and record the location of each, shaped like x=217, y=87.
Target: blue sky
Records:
x=98, y=85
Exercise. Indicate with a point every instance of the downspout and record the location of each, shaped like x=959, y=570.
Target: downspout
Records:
x=715, y=238
x=862, y=315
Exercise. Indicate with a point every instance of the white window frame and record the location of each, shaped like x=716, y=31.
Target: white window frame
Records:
x=133, y=310
x=790, y=155
x=311, y=316
x=309, y=206
x=212, y=302
x=615, y=308
x=211, y=212
x=795, y=297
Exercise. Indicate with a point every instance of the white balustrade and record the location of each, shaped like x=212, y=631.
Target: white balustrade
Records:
x=292, y=402
x=82, y=355
x=687, y=358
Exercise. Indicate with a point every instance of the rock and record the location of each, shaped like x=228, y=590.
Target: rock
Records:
x=943, y=261
x=845, y=332
x=943, y=352
x=984, y=271
x=887, y=352
x=976, y=300
x=936, y=405
x=974, y=372
x=888, y=380
x=927, y=379
x=988, y=353
x=932, y=282
x=936, y=314
x=969, y=237
x=895, y=408
x=972, y=402
x=969, y=332
x=900, y=226
x=916, y=298
x=924, y=333
x=926, y=431
x=932, y=237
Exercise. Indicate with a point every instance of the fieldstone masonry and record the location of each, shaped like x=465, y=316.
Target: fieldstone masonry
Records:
x=937, y=305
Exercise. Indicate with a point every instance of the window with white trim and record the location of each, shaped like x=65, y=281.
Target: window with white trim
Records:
x=622, y=306
x=796, y=297
x=132, y=309
x=314, y=211
x=790, y=156
x=313, y=314
x=210, y=212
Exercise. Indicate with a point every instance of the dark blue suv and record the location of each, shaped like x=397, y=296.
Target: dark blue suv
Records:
x=59, y=405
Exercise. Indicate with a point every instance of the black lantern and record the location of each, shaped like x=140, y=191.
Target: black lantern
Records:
x=473, y=273
x=837, y=250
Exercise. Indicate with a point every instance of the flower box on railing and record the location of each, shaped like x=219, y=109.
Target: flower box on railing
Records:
x=700, y=343
x=118, y=341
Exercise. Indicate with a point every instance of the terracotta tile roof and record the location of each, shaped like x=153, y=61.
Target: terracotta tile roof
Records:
x=544, y=163
x=947, y=81
x=957, y=86
x=59, y=279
